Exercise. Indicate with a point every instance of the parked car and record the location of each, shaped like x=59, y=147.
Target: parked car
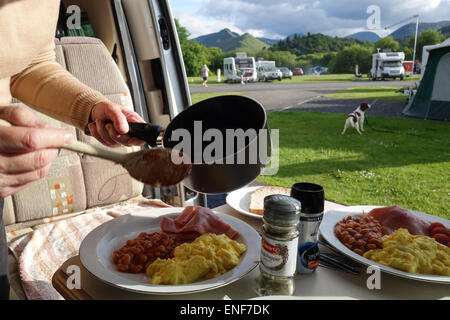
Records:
x=266, y=73
x=286, y=73
x=318, y=70
x=297, y=71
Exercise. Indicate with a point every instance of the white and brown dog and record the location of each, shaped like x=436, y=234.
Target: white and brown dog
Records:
x=356, y=118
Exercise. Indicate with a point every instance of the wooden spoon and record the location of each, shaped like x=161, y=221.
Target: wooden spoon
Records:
x=151, y=166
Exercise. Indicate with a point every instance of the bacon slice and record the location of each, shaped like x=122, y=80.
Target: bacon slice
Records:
x=395, y=217
x=194, y=221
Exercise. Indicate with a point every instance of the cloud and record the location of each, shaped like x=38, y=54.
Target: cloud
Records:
x=275, y=19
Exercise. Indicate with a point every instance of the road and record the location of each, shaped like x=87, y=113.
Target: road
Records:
x=276, y=96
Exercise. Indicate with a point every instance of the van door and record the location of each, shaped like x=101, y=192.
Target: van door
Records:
x=154, y=56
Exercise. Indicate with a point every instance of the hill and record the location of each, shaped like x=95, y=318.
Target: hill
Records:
x=270, y=42
x=445, y=31
x=409, y=29
x=365, y=35
x=229, y=41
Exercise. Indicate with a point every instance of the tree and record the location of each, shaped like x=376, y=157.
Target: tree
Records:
x=346, y=59
x=387, y=43
x=427, y=37
x=194, y=54
x=183, y=34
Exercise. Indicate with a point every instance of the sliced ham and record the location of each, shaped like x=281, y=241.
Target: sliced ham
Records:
x=395, y=217
x=194, y=221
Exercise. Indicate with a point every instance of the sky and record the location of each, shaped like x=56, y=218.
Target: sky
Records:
x=277, y=19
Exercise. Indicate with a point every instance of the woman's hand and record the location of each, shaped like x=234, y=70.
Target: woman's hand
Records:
x=113, y=134
x=26, y=149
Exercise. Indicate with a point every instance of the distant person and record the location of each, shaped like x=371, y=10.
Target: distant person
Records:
x=240, y=73
x=205, y=71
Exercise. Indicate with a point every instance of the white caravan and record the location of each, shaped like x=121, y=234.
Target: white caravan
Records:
x=246, y=65
x=387, y=65
x=268, y=63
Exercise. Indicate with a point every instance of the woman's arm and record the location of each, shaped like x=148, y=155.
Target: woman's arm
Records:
x=45, y=86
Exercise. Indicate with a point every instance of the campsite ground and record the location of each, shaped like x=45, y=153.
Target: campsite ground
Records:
x=396, y=161
x=197, y=81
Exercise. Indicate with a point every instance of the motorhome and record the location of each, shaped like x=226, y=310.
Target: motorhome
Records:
x=387, y=65
x=245, y=64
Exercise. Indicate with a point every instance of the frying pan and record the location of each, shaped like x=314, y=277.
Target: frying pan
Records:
x=231, y=168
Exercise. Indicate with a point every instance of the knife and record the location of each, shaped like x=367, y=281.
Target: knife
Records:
x=337, y=264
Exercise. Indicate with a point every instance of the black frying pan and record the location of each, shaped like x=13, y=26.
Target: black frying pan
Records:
x=220, y=113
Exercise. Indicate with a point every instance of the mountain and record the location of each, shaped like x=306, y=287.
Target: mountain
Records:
x=409, y=29
x=445, y=31
x=228, y=41
x=217, y=39
x=365, y=35
x=270, y=42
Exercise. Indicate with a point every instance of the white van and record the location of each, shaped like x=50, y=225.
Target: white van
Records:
x=246, y=65
x=387, y=65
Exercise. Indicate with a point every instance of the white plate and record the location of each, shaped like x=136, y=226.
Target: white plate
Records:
x=239, y=200
x=327, y=231
x=98, y=246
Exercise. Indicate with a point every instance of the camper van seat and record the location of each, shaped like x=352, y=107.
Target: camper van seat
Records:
x=76, y=183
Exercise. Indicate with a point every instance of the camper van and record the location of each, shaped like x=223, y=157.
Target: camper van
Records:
x=387, y=65
x=245, y=64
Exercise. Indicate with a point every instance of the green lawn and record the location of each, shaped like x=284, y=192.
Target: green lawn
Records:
x=409, y=166
x=197, y=81
x=380, y=93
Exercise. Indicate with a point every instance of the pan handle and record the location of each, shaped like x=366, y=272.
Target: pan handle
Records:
x=148, y=132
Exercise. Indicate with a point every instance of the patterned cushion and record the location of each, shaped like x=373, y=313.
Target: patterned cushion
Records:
x=62, y=191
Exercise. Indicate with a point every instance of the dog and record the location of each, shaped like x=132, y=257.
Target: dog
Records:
x=356, y=118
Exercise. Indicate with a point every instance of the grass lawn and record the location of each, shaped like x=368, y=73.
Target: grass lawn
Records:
x=409, y=167
x=197, y=97
x=197, y=81
x=380, y=93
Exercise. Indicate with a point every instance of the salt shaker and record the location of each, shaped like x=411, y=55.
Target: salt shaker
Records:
x=279, y=245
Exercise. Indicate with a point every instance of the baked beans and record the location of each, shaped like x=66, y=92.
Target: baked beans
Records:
x=137, y=254
x=360, y=234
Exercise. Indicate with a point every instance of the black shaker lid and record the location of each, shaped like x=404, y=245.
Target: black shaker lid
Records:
x=310, y=195
x=281, y=210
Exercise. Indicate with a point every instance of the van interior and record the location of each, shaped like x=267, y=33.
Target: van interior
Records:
x=129, y=51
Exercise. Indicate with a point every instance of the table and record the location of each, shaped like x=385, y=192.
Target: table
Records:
x=323, y=284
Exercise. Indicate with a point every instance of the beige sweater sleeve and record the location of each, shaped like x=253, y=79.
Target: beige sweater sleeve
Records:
x=45, y=86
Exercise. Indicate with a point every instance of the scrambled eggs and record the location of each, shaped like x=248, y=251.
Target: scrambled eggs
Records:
x=414, y=254
x=206, y=257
